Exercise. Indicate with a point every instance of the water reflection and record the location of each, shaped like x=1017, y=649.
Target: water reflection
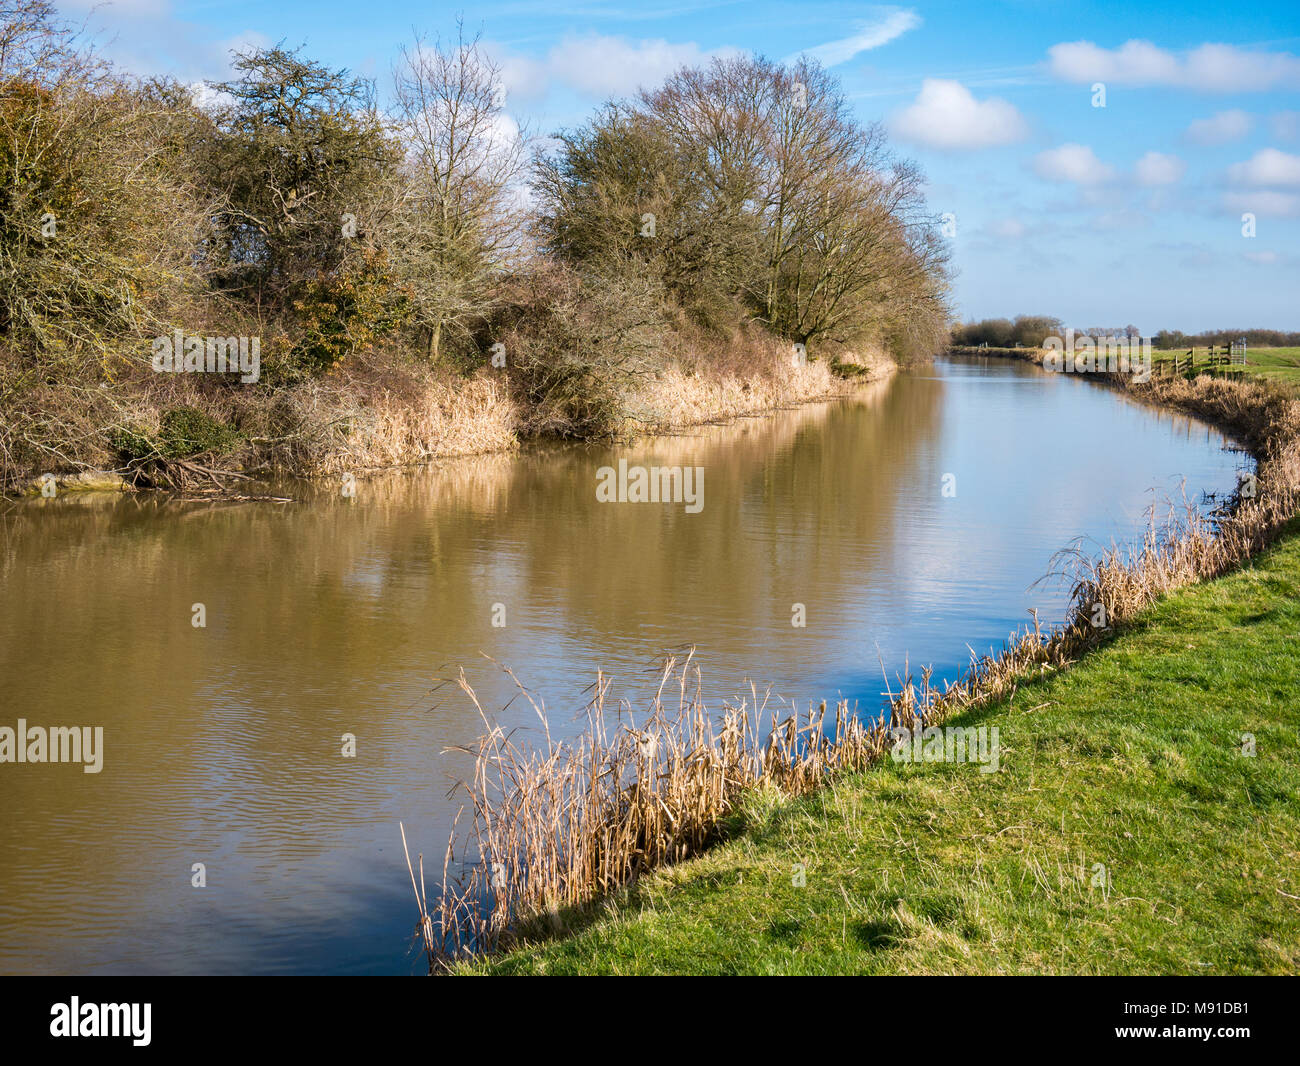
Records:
x=330, y=616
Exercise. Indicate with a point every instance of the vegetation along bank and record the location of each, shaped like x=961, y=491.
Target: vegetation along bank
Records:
x=397, y=273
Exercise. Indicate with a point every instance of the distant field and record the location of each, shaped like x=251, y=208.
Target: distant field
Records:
x=1277, y=364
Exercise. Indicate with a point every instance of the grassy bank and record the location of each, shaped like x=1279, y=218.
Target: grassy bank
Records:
x=1271, y=364
x=1132, y=761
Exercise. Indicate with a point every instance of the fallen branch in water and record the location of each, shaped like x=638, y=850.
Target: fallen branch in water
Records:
x=158, y=472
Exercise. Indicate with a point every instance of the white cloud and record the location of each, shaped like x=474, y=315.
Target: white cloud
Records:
x=1072, y=162
x=612, y=66
x=205, y=97
x=891, y=23
x=522, y=76
x=1221, y=128
x=1262, y=258
x=1210, y=67
x=1156, y=168
x=946, y=115
x=599, y=65
x=1266, y=167
x=1263, y=202
x=1286, y=125
x=1223, y=68
x=147, y=37
x=1137, y=62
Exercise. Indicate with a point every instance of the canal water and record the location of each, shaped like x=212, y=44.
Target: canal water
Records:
x=899, y=526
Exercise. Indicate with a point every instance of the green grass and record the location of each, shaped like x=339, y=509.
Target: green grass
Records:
x=1275, y=364
x=1132, y=760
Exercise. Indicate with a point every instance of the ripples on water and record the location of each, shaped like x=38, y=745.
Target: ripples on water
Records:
x=332, y=616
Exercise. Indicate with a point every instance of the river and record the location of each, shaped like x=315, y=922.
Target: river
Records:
x=906, y=522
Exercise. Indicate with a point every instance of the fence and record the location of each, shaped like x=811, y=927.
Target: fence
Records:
x=1217, y=360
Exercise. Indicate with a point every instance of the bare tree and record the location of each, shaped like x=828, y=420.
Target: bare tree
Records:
x=96, y=225
x=460, y=207
x=826, y=230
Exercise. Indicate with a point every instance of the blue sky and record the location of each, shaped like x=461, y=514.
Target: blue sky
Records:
x=1127, y=213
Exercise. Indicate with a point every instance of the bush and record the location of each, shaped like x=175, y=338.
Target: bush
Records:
x=95, y=232
x=574, y=346
x=132, y=445
x=346, y=312
x=185, y=432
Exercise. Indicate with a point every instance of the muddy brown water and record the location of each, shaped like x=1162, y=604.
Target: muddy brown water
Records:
x=222, y=745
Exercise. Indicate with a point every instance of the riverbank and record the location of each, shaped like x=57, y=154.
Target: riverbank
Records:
x=1112, y=595
x=375, y=416
x=378, y=414
x=1143, y=820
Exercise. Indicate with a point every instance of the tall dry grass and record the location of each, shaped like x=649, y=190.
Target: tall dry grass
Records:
x=554, y=826
x=380, y=409
x=386, y=415
x=375, y=411
x=557, y=826
x=712, y=377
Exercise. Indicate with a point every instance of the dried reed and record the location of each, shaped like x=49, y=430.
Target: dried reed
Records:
x=558, y=825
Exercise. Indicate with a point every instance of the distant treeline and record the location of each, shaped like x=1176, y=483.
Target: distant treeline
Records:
x=292, y=205
x=1255, y=338
x=1030, y=331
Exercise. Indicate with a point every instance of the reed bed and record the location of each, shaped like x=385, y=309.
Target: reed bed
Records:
x=386, y=415
x=557, y=826
x=708, y=379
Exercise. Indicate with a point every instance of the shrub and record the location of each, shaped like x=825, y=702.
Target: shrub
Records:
x=95, y=233
x=131, y=444
x=346, y=312
x=187, y=432
x=576, y=345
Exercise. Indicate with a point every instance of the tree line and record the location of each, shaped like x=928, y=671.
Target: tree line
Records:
x=291, y=204
x=1255, y=338
x=1030, y=331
